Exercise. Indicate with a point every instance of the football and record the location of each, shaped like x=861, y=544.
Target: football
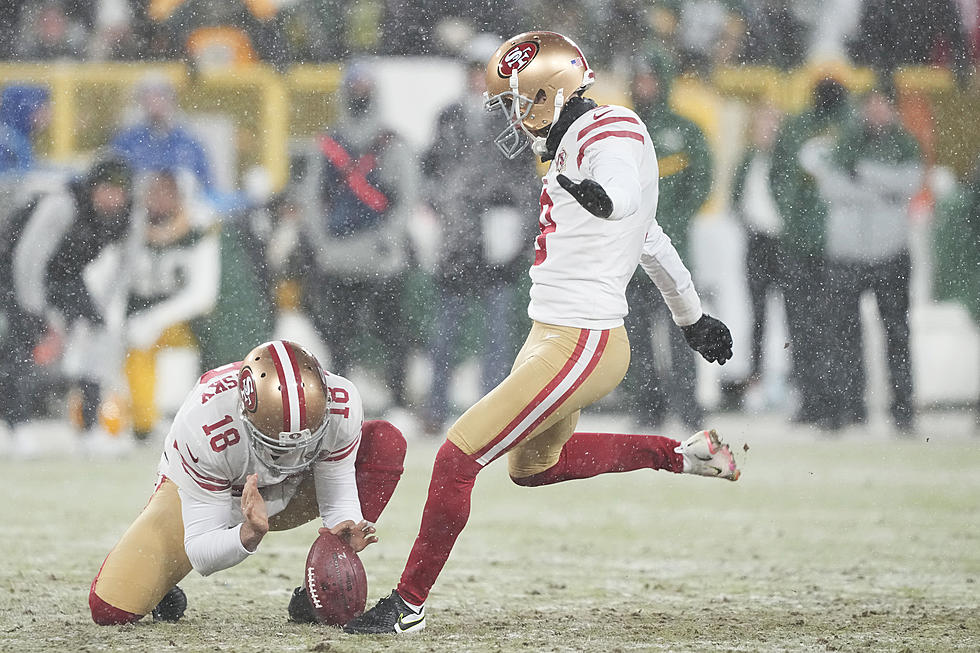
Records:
x=335, y=581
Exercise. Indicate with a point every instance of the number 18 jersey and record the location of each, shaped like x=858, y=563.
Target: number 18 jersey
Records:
x=208, y=455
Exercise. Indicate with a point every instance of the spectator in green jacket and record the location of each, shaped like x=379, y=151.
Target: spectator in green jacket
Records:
x=685, y=181
x=804, y=214
x=867, y=174
x=957, y=249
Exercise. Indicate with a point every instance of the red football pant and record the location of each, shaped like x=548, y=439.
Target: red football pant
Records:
x=447, y=507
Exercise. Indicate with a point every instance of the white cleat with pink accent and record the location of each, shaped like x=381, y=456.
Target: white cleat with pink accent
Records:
x=706, y=455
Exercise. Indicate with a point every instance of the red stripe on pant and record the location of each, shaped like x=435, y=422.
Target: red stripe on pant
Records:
x=542, y=395
x=568, y=393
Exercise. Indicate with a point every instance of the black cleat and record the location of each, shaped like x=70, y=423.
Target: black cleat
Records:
x=300, y=609
x=391, y=615
x=171, y=607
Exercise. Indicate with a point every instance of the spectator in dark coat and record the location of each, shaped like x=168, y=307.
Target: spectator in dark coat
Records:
x=362, y=250
x=46, y=247
x=893, y=33
x=485, y=236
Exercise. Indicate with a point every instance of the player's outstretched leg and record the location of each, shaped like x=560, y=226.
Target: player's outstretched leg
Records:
x=544, y=460
x=706, y=455
x=584, y=455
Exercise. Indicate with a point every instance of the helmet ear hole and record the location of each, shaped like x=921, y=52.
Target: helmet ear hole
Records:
x=540, y=97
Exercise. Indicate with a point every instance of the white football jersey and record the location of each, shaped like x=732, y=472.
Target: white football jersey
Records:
x=583, y=263
x=208, y=455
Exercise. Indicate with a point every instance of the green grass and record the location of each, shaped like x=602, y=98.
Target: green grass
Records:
x=864, y=543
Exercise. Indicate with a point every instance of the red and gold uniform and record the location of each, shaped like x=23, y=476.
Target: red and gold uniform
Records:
x=577, y=350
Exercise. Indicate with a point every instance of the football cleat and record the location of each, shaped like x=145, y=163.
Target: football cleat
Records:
x=706, y=455
x=390, y=615
x=171, y=607
x=300, y=609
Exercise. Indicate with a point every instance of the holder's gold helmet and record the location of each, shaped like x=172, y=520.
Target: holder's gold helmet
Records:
x=285, y=405
x=529, y=78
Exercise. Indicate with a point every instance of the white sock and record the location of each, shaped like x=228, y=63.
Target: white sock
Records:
x=687, y=463
x=417, y=609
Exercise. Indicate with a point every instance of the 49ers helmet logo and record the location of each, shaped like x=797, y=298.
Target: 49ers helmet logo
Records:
x=246, y=386
x=517, y=58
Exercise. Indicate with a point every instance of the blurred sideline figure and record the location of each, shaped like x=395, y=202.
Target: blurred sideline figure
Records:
x=24, y=110
x=174, y=279
x=957, y=251
x=867, y=173
x=684, y=162
x=268, y=443
x=597, y=224
x=803, y=212
x=361, y=248
x=257, y=255
x=159, y=138
x=755, y=207
x=480, y=205
x=49, y=30
x=46, y=249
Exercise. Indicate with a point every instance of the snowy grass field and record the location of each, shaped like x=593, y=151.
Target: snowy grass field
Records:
x=863, y=542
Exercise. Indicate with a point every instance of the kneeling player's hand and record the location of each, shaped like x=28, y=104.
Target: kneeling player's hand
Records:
x=590, y=194
x=358, y=536
x=256, y=523
x=711, y=338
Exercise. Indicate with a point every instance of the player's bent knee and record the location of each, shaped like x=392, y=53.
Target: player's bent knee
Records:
x=453, y=462
x=382, y=443
x=534, y=480
x=108, y=615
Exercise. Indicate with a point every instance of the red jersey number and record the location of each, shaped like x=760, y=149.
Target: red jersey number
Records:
x=547, y=226
x=222, y=440
x=339, y=396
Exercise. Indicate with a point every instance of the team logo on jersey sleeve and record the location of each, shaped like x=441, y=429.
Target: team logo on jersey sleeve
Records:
x=560, y=160
x=517, y=58
x=247, y=389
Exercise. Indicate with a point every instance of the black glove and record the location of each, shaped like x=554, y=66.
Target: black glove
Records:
x=710, y=338
x=300, y=608
x=589, y=194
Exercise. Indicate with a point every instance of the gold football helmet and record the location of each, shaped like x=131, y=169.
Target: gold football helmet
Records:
x=284, y=402
x=529, y=78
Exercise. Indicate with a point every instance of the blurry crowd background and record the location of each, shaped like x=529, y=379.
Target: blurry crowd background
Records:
x=184, y=179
